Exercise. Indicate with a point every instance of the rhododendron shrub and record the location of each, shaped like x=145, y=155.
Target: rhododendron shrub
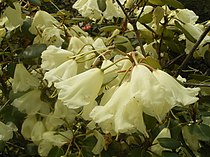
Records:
x=103, y=78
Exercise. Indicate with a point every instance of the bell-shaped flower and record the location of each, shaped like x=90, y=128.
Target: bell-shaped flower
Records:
x=155, y=98
x=156, y=147
x=35, y=105
x=27, y=126
x=50, y=36
x=182, y=95
x=23, y=80
x=41, y=20
x=186, y=16
x=100, y=145
x=88, y=8
x=112, y=10
x=121, y=114
x=6, y=132
x=53, y=56
x=37, y=132
x=10, y=12
x=62, y=72
x=53, y=138
x=81, y=89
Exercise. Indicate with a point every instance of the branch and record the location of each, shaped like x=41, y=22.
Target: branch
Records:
x=133, y=23
x=190, y=55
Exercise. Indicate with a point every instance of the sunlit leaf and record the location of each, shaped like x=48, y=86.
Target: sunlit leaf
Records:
x=146, y=18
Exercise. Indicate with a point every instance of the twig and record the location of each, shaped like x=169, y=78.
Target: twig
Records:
x=190, y=55
x=133, y=23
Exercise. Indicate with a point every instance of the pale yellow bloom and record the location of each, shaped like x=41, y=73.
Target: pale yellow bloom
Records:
x=14, y=15
x=6, y=132
x=42, y=20
x=121, y=114
x=53, y=56
x=181, y=95
x=81, y=89
x=23, y=80
x=156, y=99
x=62, y=72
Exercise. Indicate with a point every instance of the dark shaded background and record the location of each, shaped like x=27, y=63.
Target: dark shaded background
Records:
x=200, y=7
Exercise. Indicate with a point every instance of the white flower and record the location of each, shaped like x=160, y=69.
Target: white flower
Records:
x=156, y=147
x=53, y=138
x=100, y=145
x=186, y=16
x=88, y=8
x=35, y=105
x=62, y=72
x=80, y=90
x=37, y=132
x=23, y=80
x=42, y=20
x=53, y=56
x=120, y=114
x=6, y=132
x=50, y=36
x=27, y=126
x=10, y=12
x=146, y=89
x=112, y=10
x=182, y=95
x=2, y=34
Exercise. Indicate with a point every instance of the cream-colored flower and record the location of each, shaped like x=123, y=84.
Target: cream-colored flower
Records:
x=6, y=132
x=112, y=10
x=53, y=56
x=80, y=90
x=50, y=36
x=62, y=72
x=53, y=138
x=14, y=15
x=42, y=20
x=121, y=114
x=156, y=147
x=37, y=132
x=182, y=95
x=35, y=105
x=146, y=89
x=23, y=80
x=2, y=34
x=100, y=145
x=27, y=126
x=186, y=16
x=88, y=8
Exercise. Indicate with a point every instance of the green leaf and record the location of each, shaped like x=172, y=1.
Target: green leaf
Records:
x=102, y=5
x=149, y=121
x=169, y=154
x=146, y=18
x=174, y=3
x=152, y=62
x=34, y=51
x=156, y=2
x=169, y=143
x=202, y=131
x=35, y=2
x=108, y=28
x=186, y=33
x=2, y=145
x=56, y=152
x=32, y=149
